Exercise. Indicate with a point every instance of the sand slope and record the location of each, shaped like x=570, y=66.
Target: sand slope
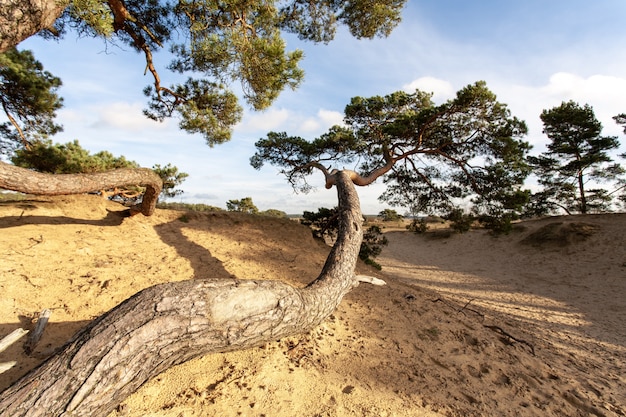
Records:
x=469, y=325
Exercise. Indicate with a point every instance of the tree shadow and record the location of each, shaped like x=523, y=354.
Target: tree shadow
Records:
x=202, y=261
x=113, y=218
x=238, y=245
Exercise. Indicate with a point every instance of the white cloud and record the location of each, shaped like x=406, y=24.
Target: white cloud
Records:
x=310, y=125
x=294, y=123
x=329, y=118
x=604, y=93
x=321, y=122
x=125, y=116
x=442, y=90
x=594, y=88
x=263, y=121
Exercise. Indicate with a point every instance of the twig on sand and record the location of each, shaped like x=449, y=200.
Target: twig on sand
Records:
x=460, y=310
x=35, y=336
x=499, y=329
x=495, y=328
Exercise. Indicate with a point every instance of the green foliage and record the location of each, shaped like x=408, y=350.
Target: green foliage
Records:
x=317, y=21
x=245, y=205
x=298, y=157
x=498, y=225
x=68, y=158
x=96, y=14
x=71, y=158
x=620, y=191
x=274, y=213
x=418, y=226
x=389, y=215
x=201, y=208
x=28, y=98
x=324, y=223
x=576, y=154
x=620, y=119
x=171, y=179
x=460, y=221
x=209, y=109
x=434, y=156
x=221, y=43
x=466, y=148
x=371, y=247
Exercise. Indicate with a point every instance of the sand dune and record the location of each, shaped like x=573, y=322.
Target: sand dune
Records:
x=468, y=325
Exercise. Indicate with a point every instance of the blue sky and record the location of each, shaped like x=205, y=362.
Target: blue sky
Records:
x=533, y=54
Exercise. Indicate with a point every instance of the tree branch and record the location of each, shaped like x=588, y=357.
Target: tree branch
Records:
x=121, y=16
x=16, y=125
x=31, y=182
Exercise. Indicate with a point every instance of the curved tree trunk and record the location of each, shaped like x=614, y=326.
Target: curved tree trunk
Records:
x=31, y=182
x=20, y=19
x=171, y=323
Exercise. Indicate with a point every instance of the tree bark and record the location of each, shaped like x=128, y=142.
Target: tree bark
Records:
x=171, y=323
x=581, y=190
x=31, y=182
x=20, y=19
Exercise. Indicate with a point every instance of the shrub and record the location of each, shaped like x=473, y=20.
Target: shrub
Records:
x=325, y=225
x=418, y=226
x=389, y=215
x=245, y=205
x=371, y=247
x=460, y=221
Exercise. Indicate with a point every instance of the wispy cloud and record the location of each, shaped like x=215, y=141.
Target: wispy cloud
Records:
x=126, y=116
x=442, y=90
x=605, y=93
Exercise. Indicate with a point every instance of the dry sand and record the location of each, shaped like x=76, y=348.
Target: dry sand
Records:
x=468, y=325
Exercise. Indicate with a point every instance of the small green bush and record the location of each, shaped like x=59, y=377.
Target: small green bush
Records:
x=371, y=247
x=417, y=226
x=459, y=221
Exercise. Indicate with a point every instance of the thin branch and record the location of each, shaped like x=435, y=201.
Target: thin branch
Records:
x=499, y=329
x=17, y=127
x=121, y=16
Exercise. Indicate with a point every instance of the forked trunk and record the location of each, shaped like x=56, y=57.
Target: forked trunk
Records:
x=171, y=323
x=31, y=182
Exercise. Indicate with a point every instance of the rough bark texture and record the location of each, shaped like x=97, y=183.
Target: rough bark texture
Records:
x=171, y=323
x=31, y=182
x=20, y=19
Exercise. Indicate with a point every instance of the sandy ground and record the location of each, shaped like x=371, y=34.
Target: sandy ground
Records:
x=468, y=325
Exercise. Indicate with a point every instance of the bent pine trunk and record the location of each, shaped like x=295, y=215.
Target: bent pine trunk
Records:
x=26, y=181
x=171, y=323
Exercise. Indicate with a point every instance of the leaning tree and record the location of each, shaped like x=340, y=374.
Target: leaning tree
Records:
x=171, y=323
x=433, y=157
